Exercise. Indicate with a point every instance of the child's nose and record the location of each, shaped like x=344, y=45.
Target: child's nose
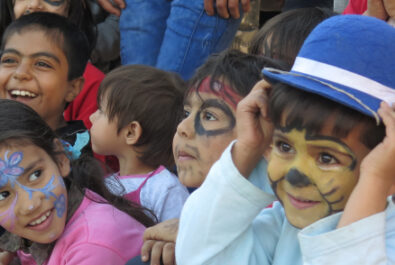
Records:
x=22, y=72
x=26, y=204
x=186, y=127
x=34, y=6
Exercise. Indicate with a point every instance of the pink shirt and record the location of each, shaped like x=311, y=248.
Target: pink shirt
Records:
x=97, y=233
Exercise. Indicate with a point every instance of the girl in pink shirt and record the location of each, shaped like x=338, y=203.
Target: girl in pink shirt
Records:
x=56, y=211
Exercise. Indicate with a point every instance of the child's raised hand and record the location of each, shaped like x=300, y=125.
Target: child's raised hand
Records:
x=254, y=129
x=379, y=164
x=377, y=177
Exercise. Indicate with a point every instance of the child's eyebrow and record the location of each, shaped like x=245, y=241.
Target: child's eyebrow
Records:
x=32, y=165
x=46, y=54
x=11, y=51
x=38, y=54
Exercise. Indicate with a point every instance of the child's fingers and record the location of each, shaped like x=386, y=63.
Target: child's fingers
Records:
x=388, y=116
x=146, y=250
x=168, y=255
x=260, y=94
x=156, y=252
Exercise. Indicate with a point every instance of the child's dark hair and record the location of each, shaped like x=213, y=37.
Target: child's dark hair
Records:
x=282, y=36
x=240, y=70
x=310, y=111
x=150, y=96
x=61, y=32
x=79, y=13
x=21, y=125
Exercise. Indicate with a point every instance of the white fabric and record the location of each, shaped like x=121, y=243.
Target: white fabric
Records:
x=162, y=193
x=368, y=241
x=344, y=77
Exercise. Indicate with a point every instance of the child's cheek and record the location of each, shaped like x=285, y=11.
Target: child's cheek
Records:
x=7, y=218
x=60, y=203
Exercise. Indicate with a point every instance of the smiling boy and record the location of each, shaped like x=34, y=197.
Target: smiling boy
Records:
x=42, y=62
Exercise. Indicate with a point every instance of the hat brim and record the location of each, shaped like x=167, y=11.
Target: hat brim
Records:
x=344, y=95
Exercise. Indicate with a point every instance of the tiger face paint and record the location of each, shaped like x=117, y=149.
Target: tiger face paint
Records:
x=313, y=175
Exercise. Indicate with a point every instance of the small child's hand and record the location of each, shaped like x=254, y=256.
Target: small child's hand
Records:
x=254, y=129
x=159, y=242
x=379, y=164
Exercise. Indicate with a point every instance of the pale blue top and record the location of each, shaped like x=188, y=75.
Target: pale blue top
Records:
x=225, y=222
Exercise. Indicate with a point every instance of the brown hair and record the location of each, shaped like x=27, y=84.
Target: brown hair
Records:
x=282, y=36
x=152, y=97
x=309, y=111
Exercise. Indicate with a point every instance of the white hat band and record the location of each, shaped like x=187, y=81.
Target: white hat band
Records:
x=344, y=77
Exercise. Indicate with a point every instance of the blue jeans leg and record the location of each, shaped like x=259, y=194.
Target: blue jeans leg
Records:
x=142, y=26
x=191, y=36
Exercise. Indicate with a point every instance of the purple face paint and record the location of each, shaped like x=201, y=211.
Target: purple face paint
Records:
x=9, y=173
x=10, y=169
x=9, y=214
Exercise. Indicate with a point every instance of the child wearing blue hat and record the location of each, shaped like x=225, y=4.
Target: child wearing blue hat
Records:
x=330, y=136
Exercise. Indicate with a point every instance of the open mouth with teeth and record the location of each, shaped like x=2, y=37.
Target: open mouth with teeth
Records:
x=42, y=222
x=22, y=93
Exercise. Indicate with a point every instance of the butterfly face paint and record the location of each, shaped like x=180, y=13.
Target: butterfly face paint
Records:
x=313, y=175
x=24, y=7
x=206, y=130
x=33, y=197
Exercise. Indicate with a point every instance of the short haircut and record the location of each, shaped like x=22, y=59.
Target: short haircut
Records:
x=152, y=97
x=310, y=111
x=282, y=36
x=61, y=32
x=242, y=71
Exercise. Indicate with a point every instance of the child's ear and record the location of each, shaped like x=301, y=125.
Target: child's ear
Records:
x=62, y=160
x=132, y=132
x=74, y=88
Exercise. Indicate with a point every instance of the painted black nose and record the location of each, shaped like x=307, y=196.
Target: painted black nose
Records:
x=297, y=178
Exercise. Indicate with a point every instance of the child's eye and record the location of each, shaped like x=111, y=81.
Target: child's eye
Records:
x=43, y=64
x=7, y=60
x=35, y=175
x=325, y=158
x=283, y=147
x=207, y=116
x=185, y=114
x=4, y=195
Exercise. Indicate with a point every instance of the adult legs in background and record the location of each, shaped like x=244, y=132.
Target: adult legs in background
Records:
x=182, y=43
x=191, y=36
x=142, y=26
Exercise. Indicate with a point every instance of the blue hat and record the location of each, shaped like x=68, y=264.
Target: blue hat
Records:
x=349, y=59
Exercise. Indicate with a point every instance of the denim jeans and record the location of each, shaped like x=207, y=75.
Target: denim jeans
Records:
x=173, y=35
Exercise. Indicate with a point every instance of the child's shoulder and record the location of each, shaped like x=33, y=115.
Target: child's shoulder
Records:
x=96, y=222
x=163, y=178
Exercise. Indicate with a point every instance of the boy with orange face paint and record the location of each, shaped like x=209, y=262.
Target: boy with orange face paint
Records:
x=326, y=119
